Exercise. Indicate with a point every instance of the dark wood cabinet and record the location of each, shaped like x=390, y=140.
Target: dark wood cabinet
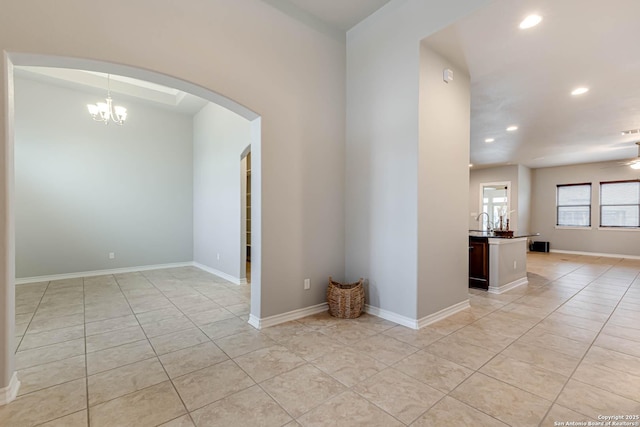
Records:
x=478, y=263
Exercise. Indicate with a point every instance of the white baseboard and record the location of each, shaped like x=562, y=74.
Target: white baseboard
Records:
x=443, y=314
x=225, y=276
x=254, y=321
x=265, y=322
x=230, y=278
x=24, y=280
x=508, y=286
x=416, y=323
x=8, y=393
x=560, y=251
x=375, y=311
x=391, y=316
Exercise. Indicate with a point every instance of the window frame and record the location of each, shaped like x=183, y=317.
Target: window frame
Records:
x=558, y=206
x=601, y=205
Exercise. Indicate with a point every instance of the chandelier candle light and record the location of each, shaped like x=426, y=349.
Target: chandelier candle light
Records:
x=106, y=111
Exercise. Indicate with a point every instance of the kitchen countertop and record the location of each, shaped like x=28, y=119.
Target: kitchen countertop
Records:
x=479, y=233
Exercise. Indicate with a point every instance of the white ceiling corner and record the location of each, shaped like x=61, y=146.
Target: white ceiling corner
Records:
x=342, y=14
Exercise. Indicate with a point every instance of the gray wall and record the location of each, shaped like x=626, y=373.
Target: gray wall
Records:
x=543, y=218
x=383, y=77
x=84, y=189
x=219, y=138
x=443, y=181
x=503, y=256
x=291, y=75
x=523, y=210
x=497, y=174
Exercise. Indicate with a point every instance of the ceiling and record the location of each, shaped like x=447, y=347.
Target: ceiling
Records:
x=123, y=88
x=339, y=14
x=518, y=77
x=524, y=78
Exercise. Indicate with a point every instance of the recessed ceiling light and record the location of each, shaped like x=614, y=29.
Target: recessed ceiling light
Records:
x=488, y=140
x=635, y=165
x=470, y=165
x=530, y=21
x=579, y=91
x=512, y=128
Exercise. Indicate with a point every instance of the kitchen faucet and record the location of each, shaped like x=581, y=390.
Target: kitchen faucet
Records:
x=488, y=220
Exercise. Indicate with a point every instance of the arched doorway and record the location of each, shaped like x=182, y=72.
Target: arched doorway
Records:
x=8, y=392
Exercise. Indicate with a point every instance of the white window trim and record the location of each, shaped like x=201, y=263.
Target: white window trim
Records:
x=609, y=228
x=569, y=227
x=633, y=229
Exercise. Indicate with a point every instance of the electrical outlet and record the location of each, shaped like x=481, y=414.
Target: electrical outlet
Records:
x=515, y=264
x=112, y=255
x=218, y=256
x=307, y=283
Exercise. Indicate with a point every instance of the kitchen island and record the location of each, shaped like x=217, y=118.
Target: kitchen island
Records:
x=497, y=263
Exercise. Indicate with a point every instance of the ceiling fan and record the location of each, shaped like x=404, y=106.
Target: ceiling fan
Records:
x=632, y=163
x=635, y=163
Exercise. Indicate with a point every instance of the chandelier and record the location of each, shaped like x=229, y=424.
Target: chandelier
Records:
x=106, y=111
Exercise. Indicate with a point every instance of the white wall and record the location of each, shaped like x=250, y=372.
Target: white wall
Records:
x=219, y=138
x=84, y=189
x=443, y=182
x=288, y=73
x=383, y=69
x=543, y=218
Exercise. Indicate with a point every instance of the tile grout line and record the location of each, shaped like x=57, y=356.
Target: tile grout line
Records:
x=383, y=333
x=387, y=366
x=187, y=316
x=554, y=311
x=32, y=317
x=86, y=364
x=570, y=377
x=189, y=413
x=156, y=355
x=199, y=328
x=212, y=341
x=310, y=363
x=154, y=351
x=498, y=309
x=65, y=382
x=521, y=334
x=477, y=371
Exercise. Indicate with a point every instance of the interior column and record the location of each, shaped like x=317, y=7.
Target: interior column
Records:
x=8, y=378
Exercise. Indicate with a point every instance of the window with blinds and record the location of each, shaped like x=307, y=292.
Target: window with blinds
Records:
x=573, y=205
x=620, y=204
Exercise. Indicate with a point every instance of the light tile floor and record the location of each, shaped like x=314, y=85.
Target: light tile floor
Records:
x=173, y=348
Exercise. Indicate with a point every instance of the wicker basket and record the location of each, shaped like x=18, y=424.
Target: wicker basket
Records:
x=346, y=301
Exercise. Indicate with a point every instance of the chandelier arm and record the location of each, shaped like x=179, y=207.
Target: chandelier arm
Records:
x=108, y=111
